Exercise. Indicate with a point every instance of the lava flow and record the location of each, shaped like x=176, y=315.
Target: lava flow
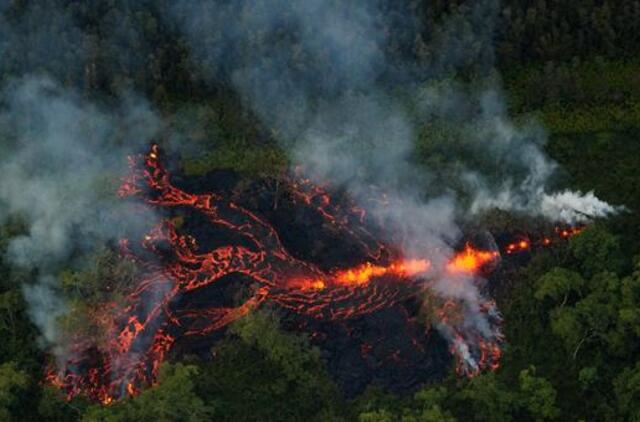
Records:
x=471, y=260
x=137, y=335
x=525, y=244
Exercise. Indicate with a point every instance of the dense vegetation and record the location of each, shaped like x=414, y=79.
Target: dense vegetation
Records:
x=572, y=314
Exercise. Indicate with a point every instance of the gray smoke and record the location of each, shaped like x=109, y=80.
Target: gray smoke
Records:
x=61, y=156
x=575, y=207
x=315, y=86
x=312, y=71
x=526, y=171
x=320, y=75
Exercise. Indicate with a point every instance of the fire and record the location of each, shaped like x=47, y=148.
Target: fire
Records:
x=471, y=260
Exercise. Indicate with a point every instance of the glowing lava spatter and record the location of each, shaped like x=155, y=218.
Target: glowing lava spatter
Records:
x=138, y=333
x=525, y=244
x=522, y=245
x=364, y=273
x=471, y=260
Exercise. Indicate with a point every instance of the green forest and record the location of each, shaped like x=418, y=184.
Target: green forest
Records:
x=571, y=313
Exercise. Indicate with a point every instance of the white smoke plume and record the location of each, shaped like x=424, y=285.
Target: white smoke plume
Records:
x=570, y=207
x=575, y=207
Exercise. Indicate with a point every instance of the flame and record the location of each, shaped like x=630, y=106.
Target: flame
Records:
x=470, y=260
x=138, y=337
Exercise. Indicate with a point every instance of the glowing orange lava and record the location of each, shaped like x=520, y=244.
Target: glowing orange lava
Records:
x=470, y=260
x=569, y=232
x=524, y=244
x=519, y=246
x=364, y=273
x=140, y=330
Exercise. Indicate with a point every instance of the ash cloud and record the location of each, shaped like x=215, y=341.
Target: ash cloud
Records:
x=60, y=153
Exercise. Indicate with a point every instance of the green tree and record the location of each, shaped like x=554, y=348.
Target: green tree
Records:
x=558, y=284
x=13, y=384
x=487, y=399
x=377, y=416
x=597, y=250
x=427, y=405
x=53, y=406
x=430, y=407
x=173, y=399
x=627, y=390
x=537, y=396
x=257, y=365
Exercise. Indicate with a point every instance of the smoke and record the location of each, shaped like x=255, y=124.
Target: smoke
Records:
x=524, y=171
x=310, y=71
x=60, y=153
x=321, y=75
x=575, y=207
x=328, y=79
x=45, y=307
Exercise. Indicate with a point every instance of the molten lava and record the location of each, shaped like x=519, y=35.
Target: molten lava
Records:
x=364, y=273
x=568, y=232
x=137, y=335
x=525, y=244
x=521, y=246
x=471, y=260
